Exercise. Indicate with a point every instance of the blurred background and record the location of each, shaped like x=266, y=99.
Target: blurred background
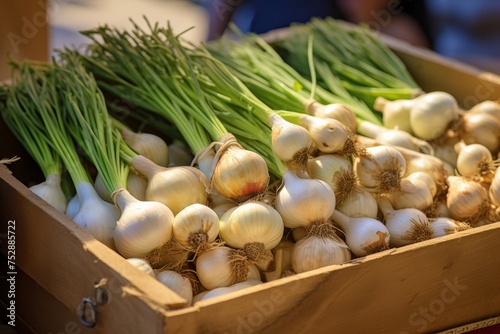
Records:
x=468, y=31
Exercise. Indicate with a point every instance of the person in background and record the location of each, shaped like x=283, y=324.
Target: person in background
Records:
x=468, y=31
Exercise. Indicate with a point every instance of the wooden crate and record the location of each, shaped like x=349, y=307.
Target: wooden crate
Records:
x=432, y=286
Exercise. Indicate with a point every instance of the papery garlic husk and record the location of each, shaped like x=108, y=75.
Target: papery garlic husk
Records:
x=73, y=206
x=337, y=111
x=414, y=193
x=380, y=168
x=50, y=191
x=481, y=129
x=175, y=187
x=179, y=154
x=467, y=200
x=439, y=208
x=301, y=201
x=222, y=208
x=238, y=174
x=96, y=215
x=177, y=283
x=337, y=171
x=137, y=185
x=330, y=135
x=395, y=114
x=444, y=148
x=299, y=233
x=282, y=258
x=142, y=265
x=196, y=227
x=363, y=235
x=488, y=107
x=224, y=266
x=170, y=255
x=442, y=226
x=224, y=290
x=148, y=145
x=321, y=247
x=494, y=188
x=475, y=160
x=359, y=203
x=406, y=226
x=290, y=142
x=143, y=225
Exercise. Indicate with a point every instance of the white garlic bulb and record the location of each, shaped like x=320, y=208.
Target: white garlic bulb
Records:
x=177, y=283
x=142, y=265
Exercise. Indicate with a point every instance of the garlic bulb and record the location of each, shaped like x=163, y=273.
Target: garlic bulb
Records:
x=143, y=225
x=251, y=222
x=73, y=206
x=363, y=235
x=177, y=283
x=444, y=148
x=290, y=142
x=380, y=168
x=322, y=247
x=196, y=227
x=329, y=135
x=336, y=111
x=481, y=128
x=50, y=191
x=395, y=114
x=494, y=189
x=301, y=201
x=179, y=154
x=142, y=265
x=475, y=160
x=137, y=185
x=96, y=215
x=442, y=226
x=337, y=171
x=148, y=145
x=238, y=174
x=432, y=113
x=175, y=187
x=414, y=194
x=224, y=290
x=406, y=226
x=467, y=200
x=224, y=266
x=488, y=107
x=359, y=203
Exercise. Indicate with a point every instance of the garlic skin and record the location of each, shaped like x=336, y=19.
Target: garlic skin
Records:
x=96, y=215
x=290, y=142
x=467, y=200
x=195, y=227
x=50, y=191
x=406, y=226
x=380, y=169
x=315, y=252
x=494, y=189
x=328, y=134
x=303, y=201
x=363, y=235
x=442, y=226
x=238, y=174
x=336, y=111
x=143, y=225
x=481, y=129
x=396, y=114
x=179, y=154
x=175, y=187
x=358, y=204
x=148, y=145
x=251, y=222
x=177, y=283
x=223, y=266
x=414, y=194
x=474, y=160
x=73, y=206
x=142, y=265
x=137, y=185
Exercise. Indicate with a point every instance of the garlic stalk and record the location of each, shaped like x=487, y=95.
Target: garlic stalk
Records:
x=224, y=266
x=177, y=283
x=406, y=226
x=337, y=111
x=302, y=201
x=363, y=235
x=196, y=227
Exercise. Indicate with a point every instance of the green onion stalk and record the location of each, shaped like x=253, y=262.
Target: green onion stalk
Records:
x=152, y=69
x=365, y=66
x=20, y=114
x=142, y=226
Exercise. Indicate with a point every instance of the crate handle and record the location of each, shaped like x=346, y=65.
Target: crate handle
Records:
x=88, y=314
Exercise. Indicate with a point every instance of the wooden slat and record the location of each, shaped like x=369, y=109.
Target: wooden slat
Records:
x=68, y=262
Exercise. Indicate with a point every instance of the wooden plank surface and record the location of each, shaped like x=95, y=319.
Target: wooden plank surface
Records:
x=68, y=262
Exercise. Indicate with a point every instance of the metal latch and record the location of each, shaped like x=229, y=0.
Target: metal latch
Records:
x=88, y=306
